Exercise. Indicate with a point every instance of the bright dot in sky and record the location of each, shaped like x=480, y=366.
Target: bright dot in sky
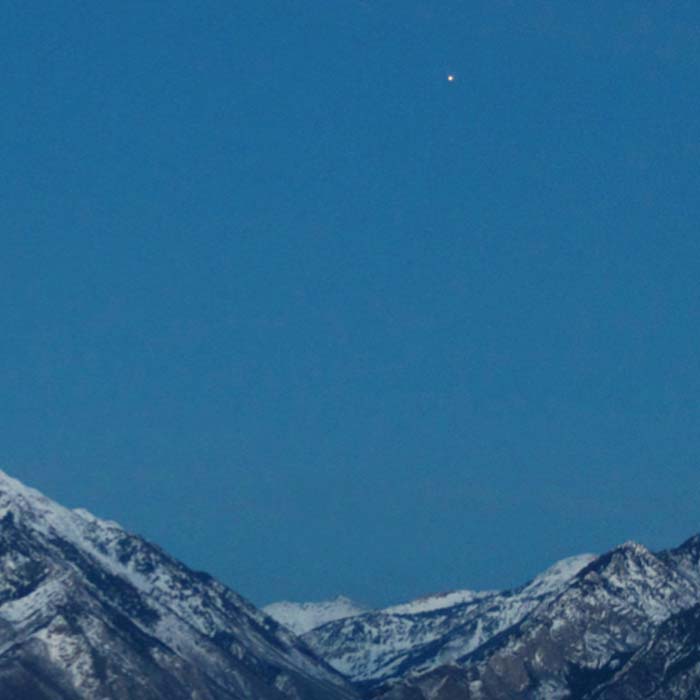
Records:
x=450, y=78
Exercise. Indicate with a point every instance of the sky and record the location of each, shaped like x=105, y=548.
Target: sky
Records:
x=278, y=295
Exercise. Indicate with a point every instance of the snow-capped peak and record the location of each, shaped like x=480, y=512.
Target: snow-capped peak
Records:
x=558, y=575
x=302, y=617
x=633, y=547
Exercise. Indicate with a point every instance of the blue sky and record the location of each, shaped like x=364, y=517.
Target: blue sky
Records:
x=279, y=296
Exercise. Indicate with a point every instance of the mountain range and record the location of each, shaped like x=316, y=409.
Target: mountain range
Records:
x=89, y=611
x=617, y=626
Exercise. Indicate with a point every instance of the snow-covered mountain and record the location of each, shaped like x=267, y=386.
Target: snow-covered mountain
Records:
x=621, y=626
x=89, y=611
x=303, y=617
x=576, y=641
x=380, y=646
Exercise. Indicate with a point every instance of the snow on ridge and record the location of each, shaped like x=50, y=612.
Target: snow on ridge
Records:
x=303, y=617
x=633, y=547
x=44, y=514
x=437, y=601
x=12, y=490
x=186, y=606
x=96, y=538
x=94, y=520
x=47, y=516
x=380, y=644
x=22, y=499
x=558, y=574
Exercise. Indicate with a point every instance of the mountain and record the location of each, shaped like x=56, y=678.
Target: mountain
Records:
x=572, y=643
x=382, y=646
x=668, y=666
x=89, y=611
x=621, y=626
x=303, y=617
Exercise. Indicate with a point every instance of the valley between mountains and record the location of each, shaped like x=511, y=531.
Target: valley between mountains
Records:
x=89, y=611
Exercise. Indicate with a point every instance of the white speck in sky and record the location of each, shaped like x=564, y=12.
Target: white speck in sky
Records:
x=451, y=78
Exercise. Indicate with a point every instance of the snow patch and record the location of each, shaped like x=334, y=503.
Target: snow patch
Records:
x=438, y=601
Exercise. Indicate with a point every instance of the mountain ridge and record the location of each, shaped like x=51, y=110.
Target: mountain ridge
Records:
x=564, y=634
x=90, y=611
x=74, y=587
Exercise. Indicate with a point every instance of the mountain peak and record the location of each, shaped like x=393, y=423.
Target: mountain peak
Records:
x=633, y=547
x=559, y=574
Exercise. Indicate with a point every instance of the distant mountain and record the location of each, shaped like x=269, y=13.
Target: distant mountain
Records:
x=577, y=642
x=89, y=611
x=382, y=646
x=621, y=626
x=302, y=617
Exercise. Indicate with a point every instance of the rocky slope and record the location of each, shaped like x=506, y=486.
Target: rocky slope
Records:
x=666, y=667
x=91, y=612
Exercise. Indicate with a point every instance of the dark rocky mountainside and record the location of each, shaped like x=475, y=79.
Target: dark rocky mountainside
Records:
x=667, y=667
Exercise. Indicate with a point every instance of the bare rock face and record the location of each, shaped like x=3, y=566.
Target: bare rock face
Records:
x=91, y=612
